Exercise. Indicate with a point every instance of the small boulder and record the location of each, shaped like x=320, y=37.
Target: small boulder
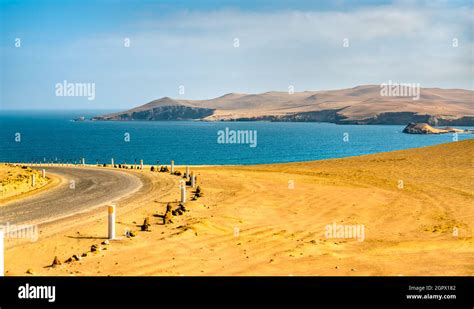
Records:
x=168, y=215
x=56, y=262
x=131, y=234
x=182, y=207
x=146, y=224
x=198, y=192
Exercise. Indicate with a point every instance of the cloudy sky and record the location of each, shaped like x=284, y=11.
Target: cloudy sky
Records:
x=216, y=47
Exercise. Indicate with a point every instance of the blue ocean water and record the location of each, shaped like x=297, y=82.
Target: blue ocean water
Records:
x=52, y=136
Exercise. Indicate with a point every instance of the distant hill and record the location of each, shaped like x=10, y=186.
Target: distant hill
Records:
x=358, y=105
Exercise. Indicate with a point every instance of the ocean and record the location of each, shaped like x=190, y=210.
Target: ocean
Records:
x=52, y=136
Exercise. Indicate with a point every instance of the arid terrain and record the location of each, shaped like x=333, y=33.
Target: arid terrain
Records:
x=16, y=181
x=416, y=207
x=359, y=105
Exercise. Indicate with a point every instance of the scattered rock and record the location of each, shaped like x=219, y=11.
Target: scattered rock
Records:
x=182, y=207
x=56, y=262
x=146, y=225
x=167, y=217
x=199, y=192
x=76, y=257
x=29, y=271
x=84, y=254
x=94, y=248
x=353, y=269
x=105, y=242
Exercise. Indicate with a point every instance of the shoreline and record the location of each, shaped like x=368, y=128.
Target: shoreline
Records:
x=100, y=165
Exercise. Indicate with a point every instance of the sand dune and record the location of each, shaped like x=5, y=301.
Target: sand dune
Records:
x=415, y=206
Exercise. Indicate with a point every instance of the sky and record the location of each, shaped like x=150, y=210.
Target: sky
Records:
x=205, y=49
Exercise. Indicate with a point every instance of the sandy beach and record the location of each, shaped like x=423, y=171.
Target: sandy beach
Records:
x=413, y=206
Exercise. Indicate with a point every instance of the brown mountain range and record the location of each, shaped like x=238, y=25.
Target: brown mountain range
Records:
x=358, y=105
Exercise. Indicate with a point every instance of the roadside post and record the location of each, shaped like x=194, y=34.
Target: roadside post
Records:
x=182, y=186
x=193, y=180
x=111, y=212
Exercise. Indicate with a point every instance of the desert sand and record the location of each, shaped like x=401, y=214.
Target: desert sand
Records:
x=16, y=182
x=416, y=207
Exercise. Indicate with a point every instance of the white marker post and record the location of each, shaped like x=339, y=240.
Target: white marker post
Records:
x=187, y=171
x=111, y=211
x=141, y=164
x=172, y=166
x=33, y=180
x=43, y=173
x=83, y=161
x=2, y=257
x=182, y=186
x=112, y=162
x=193, y=180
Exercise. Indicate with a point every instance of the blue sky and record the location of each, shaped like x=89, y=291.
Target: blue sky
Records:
x=191, y=44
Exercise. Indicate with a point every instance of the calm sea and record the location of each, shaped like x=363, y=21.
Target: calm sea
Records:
x=52, y=136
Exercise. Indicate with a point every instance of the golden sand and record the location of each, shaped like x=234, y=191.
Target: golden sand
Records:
x=16, y=182
x=416, y=208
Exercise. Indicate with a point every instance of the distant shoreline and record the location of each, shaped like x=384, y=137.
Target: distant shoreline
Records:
x=365, y=104
x=133, y=166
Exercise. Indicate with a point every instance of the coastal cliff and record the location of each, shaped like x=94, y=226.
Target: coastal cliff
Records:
x=424, y=128
x=358, y=105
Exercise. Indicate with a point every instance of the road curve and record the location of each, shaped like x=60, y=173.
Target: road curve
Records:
x=92, y=187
